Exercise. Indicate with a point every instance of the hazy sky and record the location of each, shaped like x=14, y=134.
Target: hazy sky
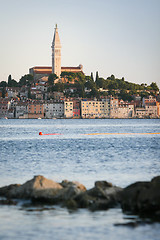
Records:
x=120, y=37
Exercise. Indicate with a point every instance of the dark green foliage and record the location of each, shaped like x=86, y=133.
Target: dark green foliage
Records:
x=27, y=80
x=29, y=93
x=125, y=96
x=89, y=84
x=154, y=86
x=94, y=93
x=3, y=84
x=144, y=94
x=78, y=81
x=12, y=82
x=52, y=77
x=97, y=77
x=9, y=79
x=92, y=76
x=3, y=92
x=68, y=74
x=80, y=89
x=102, y=83
x=113, y=85
x=58, y=87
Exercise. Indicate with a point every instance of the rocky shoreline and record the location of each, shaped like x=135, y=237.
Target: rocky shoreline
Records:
x=140, y=198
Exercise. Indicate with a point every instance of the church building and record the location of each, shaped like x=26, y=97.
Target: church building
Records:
x=39, y=72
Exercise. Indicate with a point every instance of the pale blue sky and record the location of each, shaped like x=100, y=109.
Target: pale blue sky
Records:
x=120, y=37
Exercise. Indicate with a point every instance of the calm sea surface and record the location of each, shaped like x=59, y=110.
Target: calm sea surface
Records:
x=74, y=155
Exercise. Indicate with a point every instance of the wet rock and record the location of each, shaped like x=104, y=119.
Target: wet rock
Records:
x=103, y=196
x=38, y=209
x=7, y=202
x=133, y=224
x=68, y=193
x=143, y=198
x=130, y=196
x=71, y=204
x=38, y=187
x=103, y=184
x=66, y=184
x=7, y=190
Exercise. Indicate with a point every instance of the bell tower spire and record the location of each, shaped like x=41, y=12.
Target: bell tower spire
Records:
x=56, y=53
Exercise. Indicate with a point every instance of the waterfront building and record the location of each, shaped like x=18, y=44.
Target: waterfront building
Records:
x=113, y=107
x=158, y=108
x=76, y=108
x=35, y=110
x=10, y=113
x=21, y=110
x=54, y=109
x=5, y=105
x=68, y=109
x=140, y=112
x=150, y=106
x=151, y=109
x=148, y=100
x=95, y=108
x=125, y=109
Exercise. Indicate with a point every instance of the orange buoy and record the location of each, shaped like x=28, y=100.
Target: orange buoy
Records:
x=40, y=133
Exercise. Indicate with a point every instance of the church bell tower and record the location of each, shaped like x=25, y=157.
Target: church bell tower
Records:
x=56, y=53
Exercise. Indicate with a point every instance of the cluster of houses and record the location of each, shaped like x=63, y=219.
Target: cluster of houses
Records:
x=17, y=105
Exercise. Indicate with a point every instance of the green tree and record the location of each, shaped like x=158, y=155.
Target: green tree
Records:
x=81, y=77
x=9, y=79
x=3, y=84
x=3, y=92
x=112, y=85
x=112, y=77
x=95, y=93
x=92, y=76
x=97, y=77
x=101, y=83
x=80, y=89
x=154, y=86
x=58, y=87
x=26, y=80
x=90, y=85
x=29, y=93
x=52, y=77
x=12, y=82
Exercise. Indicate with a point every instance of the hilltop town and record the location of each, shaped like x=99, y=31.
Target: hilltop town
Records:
x=66, y=92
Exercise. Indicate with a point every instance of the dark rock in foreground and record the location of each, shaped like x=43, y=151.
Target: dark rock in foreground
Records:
x=103, y=196
x=140, y=198
x=34, y=188
x=143, y=198
x=133, y=224
x=70, y=194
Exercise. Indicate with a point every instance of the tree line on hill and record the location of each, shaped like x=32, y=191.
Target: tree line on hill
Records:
x=79, y=82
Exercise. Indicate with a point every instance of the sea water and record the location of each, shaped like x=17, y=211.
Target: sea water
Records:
x=85, y=150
